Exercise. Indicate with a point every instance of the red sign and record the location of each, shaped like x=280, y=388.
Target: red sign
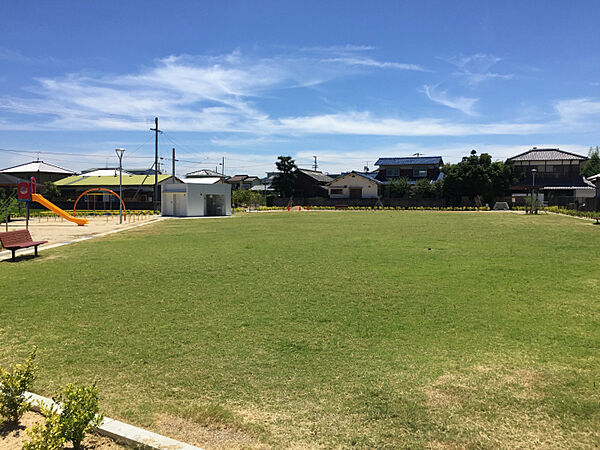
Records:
x=24, y=190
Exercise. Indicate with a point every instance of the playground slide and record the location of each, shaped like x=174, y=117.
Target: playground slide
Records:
x=52, y=207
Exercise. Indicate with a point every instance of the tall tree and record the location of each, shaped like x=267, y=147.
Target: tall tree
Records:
x=477, y=176
x=592, y=165
x=284, y=181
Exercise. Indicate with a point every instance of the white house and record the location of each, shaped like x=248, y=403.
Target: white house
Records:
x=354, y=185
x=192, y=199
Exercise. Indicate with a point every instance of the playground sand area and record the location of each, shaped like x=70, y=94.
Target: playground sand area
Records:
x=57, y=230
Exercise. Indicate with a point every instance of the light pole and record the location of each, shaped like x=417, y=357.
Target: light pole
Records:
x=119, y=152
x=533, y=172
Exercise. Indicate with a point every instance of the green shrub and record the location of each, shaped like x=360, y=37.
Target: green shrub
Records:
x=13, y=385
x=46, y=436
x=80, y=412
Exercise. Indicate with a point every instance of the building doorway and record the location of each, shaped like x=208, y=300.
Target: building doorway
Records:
x=355, y=192
x=215, y=205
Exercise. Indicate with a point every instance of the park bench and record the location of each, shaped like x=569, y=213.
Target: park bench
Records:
x=15, y=240
x=341, y=206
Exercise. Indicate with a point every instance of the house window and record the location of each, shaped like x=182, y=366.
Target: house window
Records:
x=337, y=191
x=420, y=173
x=392, y=172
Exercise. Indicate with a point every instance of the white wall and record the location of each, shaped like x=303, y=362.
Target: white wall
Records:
x=189, y=200
x=369, y=188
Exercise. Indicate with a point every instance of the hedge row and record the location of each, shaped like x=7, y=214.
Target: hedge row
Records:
x=85, y=213
x=370, y=208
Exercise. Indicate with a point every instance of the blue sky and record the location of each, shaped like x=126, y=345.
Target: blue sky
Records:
x=346, y=81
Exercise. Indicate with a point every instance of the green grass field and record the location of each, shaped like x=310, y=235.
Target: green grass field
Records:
x=326, y=329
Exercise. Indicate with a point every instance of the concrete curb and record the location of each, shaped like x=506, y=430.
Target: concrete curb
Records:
x=4, y=255
x=121, y=431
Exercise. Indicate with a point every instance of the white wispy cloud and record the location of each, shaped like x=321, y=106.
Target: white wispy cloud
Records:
x=464, y=104
x=369, y=62
x=365, y=123
x=477, y=68
x=220, y=93
x=578, y=111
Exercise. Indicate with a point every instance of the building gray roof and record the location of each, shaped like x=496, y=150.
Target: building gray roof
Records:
x=546, y=154
x=203, y=173
x=37, y=166
x=409, y=160
x=319, y=176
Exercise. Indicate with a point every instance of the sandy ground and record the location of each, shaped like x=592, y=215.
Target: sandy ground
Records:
x=13, y=439
x=56, y=230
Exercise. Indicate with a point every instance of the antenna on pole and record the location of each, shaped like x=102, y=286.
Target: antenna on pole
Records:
x=315, y=165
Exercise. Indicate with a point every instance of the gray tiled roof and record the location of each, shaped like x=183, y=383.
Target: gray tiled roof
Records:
x=406, y=161
x=319, y=176
x=203, y=173
x=546, y=154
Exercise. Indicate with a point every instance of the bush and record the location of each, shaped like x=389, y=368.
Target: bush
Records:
x=398, y=187
x=246, y=197
x=80, y=412
x=13, y=385
x=46, y=436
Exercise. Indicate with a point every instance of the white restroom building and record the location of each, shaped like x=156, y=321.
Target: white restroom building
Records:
x=193, y=199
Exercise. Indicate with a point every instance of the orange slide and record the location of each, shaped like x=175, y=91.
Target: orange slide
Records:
x=52, y=207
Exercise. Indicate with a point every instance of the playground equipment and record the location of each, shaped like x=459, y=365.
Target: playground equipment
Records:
x=101, y=189
x=27, y=192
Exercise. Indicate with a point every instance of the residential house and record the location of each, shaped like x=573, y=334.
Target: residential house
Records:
x=554, y=174
x=311, y=183
x=104, y=172
x=242, y=182
x=355, y=185
x=42, y=171
x=413, y=168
x=204, y=176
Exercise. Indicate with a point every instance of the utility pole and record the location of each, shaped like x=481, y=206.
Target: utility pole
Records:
x=119, y=152
x=223, y=166
x=173, y=180
x=156, y=131
x=315, y=165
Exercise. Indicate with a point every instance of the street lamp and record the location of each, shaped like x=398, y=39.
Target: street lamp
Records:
x=119, y=152
x=533, y=172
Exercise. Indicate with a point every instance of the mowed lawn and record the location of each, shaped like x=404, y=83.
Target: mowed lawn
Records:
x=330, y=329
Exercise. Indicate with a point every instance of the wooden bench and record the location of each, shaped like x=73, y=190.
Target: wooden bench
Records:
x=341, y=206
x=15, y=240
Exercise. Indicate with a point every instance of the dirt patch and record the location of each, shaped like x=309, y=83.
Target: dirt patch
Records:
x=210, y=436
x=13, y=438
x=56, y=230
x=501, y=407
